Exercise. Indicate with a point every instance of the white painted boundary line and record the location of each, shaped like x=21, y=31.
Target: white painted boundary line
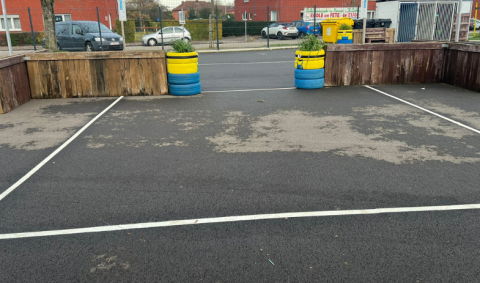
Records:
x=426, y=110
x=236, y=219
x=249, y=63
x=248, y=90
x=40, y=165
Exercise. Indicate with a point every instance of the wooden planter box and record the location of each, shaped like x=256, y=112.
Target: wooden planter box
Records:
x=14, y=89
x=95, y=74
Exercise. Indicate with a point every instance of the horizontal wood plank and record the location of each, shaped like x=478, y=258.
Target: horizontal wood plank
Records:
x=55, y=56
x=383, y=46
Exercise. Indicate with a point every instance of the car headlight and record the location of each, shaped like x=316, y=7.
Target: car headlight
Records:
x=121, y=38
x=98, y=39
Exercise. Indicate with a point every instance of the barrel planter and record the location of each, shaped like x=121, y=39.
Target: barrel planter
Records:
x=309, y=69
x=183, y=74
x=345, y=37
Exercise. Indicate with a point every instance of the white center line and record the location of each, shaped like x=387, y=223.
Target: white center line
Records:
x=249, y=63
x=426, y=110
x=40, y=165
x=236, y=219
x=247, y=90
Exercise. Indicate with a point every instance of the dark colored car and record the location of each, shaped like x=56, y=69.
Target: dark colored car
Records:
x=305, y=28
x=85, y=36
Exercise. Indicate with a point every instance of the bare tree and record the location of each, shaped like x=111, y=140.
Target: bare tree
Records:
x=49, y=24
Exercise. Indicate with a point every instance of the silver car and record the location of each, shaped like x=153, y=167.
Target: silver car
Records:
x=169, y=34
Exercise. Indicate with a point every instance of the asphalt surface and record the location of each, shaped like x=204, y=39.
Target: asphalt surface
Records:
x=227, y=153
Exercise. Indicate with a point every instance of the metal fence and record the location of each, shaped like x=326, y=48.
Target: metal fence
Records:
x=242, y=27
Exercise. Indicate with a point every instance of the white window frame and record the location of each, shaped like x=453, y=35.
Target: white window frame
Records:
x=246, y=1
x=250, y=16
x=63, y=16
x=10, y=18
x=371, y=14
x=244, y=16
x=271, y=16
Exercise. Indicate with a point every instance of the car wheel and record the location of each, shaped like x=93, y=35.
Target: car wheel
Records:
x=185, y=39
x=264, y=34
x=152, y=42
x=301, y=35
x=89, y=47
x=279, y=35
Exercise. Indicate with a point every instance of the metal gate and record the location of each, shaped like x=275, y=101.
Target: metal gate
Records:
x=444, y=21
x=407, y=22
x=426, y=21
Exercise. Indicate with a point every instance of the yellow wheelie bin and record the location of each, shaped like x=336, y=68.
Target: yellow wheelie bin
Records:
x=330, y=28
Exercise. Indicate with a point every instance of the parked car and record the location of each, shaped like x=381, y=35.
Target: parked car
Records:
x=305, y=28
x=280, y=31
x=169, y=34
x=472, y=21
x=85, y=36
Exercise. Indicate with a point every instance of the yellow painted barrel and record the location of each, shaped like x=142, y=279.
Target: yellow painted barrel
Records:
x=309, y=60
x=345, y=33
x=182, y=63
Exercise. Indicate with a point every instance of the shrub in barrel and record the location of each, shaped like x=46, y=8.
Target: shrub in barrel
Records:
x=310, y=63
x=345, y=34
x=182, y=66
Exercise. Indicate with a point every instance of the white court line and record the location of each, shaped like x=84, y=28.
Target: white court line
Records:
x=248, y=90
x=235, y=219
x=40, y=165
x=426, y=110
x=250, y=63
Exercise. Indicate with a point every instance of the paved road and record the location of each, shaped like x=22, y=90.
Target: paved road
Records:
x=226, y=153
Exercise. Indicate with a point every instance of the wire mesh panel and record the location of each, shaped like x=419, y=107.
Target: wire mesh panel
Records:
x=443, y=26
x=407, y=23
x=426, y=21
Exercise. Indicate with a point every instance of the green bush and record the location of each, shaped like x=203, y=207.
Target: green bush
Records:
x=21, y=38
x=311, y=43
x=129, y=30
x=237, y=28
x=345, y=27
x=181, y=46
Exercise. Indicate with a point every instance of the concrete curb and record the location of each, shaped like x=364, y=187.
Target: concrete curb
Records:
x=246, y=49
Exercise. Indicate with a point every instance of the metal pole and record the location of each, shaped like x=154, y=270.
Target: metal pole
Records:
x=254, y=10
x=100, y=31
x=123, y=35
x=358, y=12
x=218, y=42
x=459, y=20
x=161, y=25
x=33, y=34
x=475, y=24
x=314, y=19
x=268, y=26
x=5, y=19
x=246, y=19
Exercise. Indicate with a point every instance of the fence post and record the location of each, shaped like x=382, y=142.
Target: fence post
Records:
x=268, y=26
x=246, y=19
x=100, y=31
x=7, y=31
x=218, y=43
x=314, y=19
x=358, y=11
x=161, y=25
x=33, y=34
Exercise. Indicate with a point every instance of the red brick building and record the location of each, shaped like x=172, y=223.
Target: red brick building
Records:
x=288, y=10
x=75, y=10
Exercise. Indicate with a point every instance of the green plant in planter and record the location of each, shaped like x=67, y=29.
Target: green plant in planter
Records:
x=182, y=46
x=345, y=27
x=311, y=43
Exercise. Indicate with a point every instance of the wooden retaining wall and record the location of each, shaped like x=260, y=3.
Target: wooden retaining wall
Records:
x=85, y=74
x=14, y=89
x=462, y=66
x=380, y=63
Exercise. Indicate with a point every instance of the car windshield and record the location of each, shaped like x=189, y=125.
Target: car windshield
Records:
x=93, y=27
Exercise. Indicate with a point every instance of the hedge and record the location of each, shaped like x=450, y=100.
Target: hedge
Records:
x=129, y=30
x=198, y=28
x=237, y=28
x=22, y=38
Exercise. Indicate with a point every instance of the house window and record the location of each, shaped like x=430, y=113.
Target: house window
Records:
x=62, y=18
x=370, y=14
x=13, y=22
x=273, y=16
x=244, y=16
x=250, y=16
x=245, y=1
